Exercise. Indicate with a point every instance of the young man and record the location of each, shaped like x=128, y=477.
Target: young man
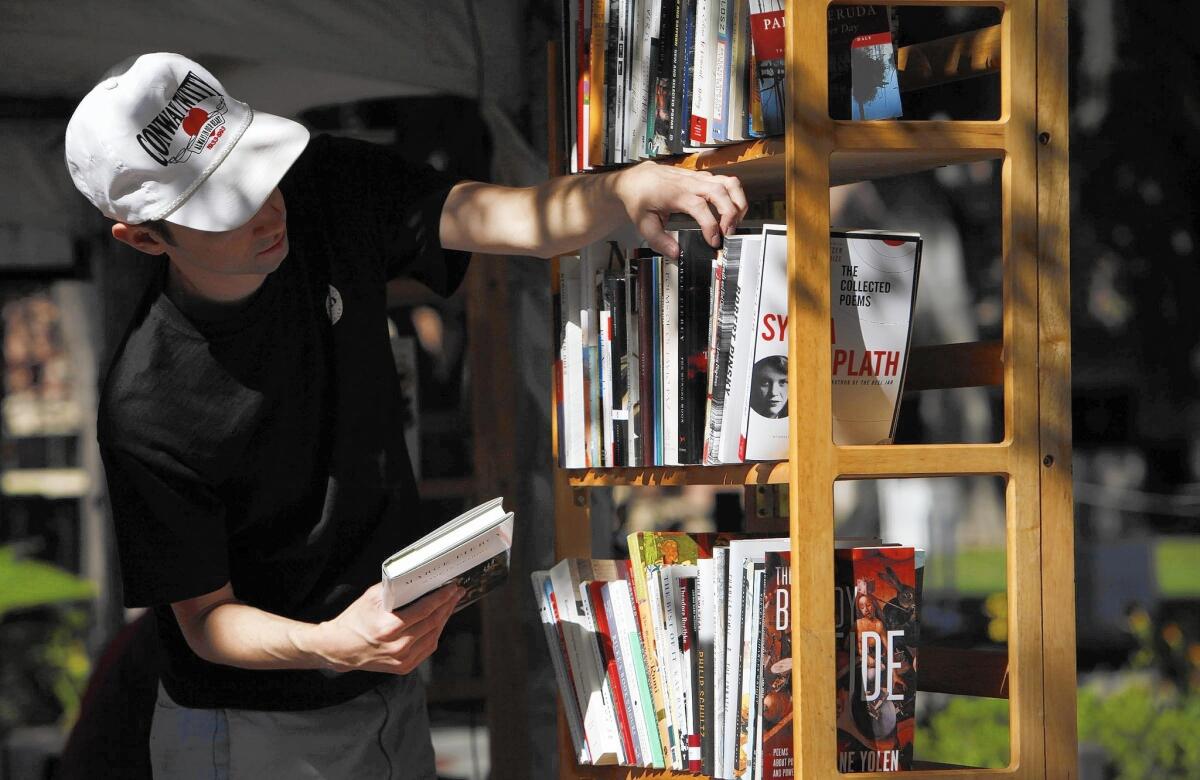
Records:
x=249, y=424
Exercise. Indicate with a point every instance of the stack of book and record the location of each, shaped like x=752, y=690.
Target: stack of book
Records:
x=649, y=78
x=666, y=362
x=680, y=657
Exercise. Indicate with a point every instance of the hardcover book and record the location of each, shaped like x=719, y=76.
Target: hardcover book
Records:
x=560, y=660
x=765, y=415
x=695, y=284
x=768, y=40
x=777, y=761
x=471, y=550
x=876, y=612
x=862, y=80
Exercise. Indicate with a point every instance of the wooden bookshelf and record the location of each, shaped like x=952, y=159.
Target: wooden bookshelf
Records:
x=1031, y=363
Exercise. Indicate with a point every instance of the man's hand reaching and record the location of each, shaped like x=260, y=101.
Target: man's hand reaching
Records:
x=650, y=193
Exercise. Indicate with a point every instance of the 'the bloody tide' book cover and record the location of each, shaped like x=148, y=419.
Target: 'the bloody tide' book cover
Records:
x=876, y=611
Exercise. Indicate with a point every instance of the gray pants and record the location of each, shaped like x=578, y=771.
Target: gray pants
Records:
x=384, y=733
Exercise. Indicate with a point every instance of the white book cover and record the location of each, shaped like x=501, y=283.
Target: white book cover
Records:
x=592, y=264
x=720, y=601
x=570, y=351
x=703, y=63
x=670, y=360
x=555, y=644
x=873, y=281
x=740, y=551
x=599, y=720
x=765, y=423
x=741, y=350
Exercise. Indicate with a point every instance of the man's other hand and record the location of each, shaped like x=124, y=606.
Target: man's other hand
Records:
x=651, y=193
x=370, y=637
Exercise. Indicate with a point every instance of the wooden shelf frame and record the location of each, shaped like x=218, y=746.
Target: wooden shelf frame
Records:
x=1037, y=674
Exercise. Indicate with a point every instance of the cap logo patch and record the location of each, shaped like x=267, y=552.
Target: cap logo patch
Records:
x=192, y=121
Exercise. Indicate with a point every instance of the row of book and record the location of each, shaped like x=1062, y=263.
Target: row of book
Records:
x=680, y=657
x=664, y=362
x=647, y=78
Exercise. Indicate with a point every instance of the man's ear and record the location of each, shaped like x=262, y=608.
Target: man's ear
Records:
x=143, y=239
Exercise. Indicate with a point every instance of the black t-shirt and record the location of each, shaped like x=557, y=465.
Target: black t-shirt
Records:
x=266, y=449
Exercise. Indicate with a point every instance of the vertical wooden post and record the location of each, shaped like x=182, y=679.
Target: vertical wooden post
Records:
x=1054, y=391
x=809, y=142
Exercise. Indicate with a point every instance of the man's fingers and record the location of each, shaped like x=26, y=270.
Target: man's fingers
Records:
x=733, y=186
x=651, y=228
x=718, y=196
x=428, y=604
x=697, y=208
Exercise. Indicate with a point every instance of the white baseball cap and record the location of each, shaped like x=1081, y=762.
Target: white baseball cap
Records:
x=163, y=140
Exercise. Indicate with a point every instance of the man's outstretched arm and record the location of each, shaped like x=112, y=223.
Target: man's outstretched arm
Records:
x=568, y=212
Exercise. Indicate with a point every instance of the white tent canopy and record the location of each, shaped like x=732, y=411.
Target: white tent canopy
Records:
x=280, y=57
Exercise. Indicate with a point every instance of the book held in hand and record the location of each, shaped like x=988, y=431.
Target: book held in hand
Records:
x=471, y=550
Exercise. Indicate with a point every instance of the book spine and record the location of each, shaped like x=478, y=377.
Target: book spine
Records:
x=605, y=352
x=741, y=350
x=675, y=662
x=721, y=63
x=548, y=613
x=723, y=327
x=648, y=622
x=646, y=359
x=720, y=605
x=663, y=87
x=687, y=62
x=670, y=360
x=714, y=319
x=756, y=757
x=597, y=87
x=656, y=281
x=662, y=644
x=633, y=311
x=691, y=668
x=625, y=607
x=705, y=622
x=620, y=381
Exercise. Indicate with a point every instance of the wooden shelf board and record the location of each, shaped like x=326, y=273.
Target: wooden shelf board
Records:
x=953, y=58
x=969, y=364
x=964, y=672
x=920, y=769
x=884, y=150
x=921, y=460
x=858, y=462
x=774, y=473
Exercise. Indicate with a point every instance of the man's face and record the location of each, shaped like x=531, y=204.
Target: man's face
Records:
x=255, y=248
x=772, y=388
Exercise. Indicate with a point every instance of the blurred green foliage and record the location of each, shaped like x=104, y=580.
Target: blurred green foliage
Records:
x=43, y=623
x=1145, y=718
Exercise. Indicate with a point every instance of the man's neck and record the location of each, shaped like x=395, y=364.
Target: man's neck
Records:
x=208, y=296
